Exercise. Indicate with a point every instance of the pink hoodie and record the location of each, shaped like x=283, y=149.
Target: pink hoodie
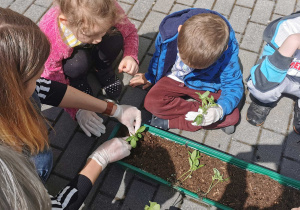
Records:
x=60, y=51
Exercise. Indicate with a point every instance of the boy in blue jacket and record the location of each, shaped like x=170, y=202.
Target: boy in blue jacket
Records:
x=196, y=51
x=277, y=70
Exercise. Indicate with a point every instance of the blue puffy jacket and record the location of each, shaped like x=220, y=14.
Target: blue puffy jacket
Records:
x=225, y=74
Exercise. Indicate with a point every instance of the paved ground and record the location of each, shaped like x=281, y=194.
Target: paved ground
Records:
x=273, y=145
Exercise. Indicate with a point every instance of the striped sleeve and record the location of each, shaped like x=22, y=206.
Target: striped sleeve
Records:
x=50, y=92
x=73, y=195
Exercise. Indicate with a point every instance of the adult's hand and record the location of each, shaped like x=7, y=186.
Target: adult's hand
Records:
x=111, y=151
x=129, y=116
x=90, y=122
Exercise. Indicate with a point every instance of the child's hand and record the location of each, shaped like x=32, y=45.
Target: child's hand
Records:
x=140, y=79
x=128, y=65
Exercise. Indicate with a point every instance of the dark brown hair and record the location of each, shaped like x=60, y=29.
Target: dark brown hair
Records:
x=202, y=40
x=23, y=52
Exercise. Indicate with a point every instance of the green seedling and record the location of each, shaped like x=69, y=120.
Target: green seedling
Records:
x=216, y=178
x=135, y=137
x=153, y=206
x=207, y=102
x=194, y=161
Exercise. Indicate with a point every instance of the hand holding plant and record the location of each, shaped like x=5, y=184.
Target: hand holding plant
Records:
x=208, y=112
x=135, y=137
x=194, y=161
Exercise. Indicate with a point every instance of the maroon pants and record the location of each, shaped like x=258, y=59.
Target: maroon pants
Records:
x=165, y=101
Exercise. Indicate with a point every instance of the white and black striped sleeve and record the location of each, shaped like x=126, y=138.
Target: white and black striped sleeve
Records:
x=73, y=195
x=50, y=92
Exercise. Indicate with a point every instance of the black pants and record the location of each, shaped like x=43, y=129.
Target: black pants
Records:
x=99, y=57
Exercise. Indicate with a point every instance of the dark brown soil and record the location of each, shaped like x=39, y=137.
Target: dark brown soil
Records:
x=244, y=189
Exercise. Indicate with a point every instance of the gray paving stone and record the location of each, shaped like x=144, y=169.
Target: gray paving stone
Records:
x=238, y=37
x=145, y=64
x=55, y=183
x=44, y=3
x=144, y=44
x=167, y=196
x=74, y=156
x=140, y=9
x=117, y=178
x=217, y=139
x=241, y=151
x=290, y=168
x=150, y=27
x=269, y=149
x=56, y=154
x=128, y=1
x=51, y=112
x=138, y=195
x=248, y=60
x=35, y=12
x=134, y=96
x=163, y=6
x=239, y=18
x=152, y=49
x=63, y=130
x=278, y=117
x=197, y=136
x=136, y=23
x=5, y=3
x=292, y=146
x=207, y=4
x=244, y=129
x=190, y=204
x=246, y=3
x=262, y=11
x=178, y=7
x=285, y=7
x=20, y=5
x=221, y=8
x=253, y=37
x=276, y=16
x=185, y=2
x=105, y=202
x=125, y=7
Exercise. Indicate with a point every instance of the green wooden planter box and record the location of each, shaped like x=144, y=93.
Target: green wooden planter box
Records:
x=213, y=153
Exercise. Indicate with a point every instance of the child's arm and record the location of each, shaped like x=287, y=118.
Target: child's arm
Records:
x=290, y=45
x=140, y=79
x=129, y=63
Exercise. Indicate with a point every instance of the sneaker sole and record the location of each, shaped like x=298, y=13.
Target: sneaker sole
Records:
x=254, y=124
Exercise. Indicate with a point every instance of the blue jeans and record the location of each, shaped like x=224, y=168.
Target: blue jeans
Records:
x=43, y=162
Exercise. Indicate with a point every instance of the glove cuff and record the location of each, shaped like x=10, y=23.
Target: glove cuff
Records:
x=117, y=112
x=101, y=158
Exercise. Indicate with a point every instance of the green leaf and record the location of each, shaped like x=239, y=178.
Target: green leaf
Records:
x=129, y=138
x=190, y=162
x=194, y=154
x=133, y=143
x=199, y=94
x=141, y=129
x=135, y=138
x=139, y=135
x=204, y=95
x=153, y=206
x=198, y=119
x=200, y=166
x=197, y=162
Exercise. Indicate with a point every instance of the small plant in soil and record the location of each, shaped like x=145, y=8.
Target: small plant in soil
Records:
x=194, y=161
x=216, y=178
x=207, y=102
x=153, y=206
x=135, y=137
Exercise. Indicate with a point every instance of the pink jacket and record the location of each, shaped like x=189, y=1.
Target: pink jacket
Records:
x=60, y=51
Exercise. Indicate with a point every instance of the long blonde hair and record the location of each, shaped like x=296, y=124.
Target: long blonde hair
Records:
x=85, y=14
x=23, y=52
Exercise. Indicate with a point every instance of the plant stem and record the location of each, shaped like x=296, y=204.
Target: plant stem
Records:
x=210, y=187
x=187, y=176
x=183, y=175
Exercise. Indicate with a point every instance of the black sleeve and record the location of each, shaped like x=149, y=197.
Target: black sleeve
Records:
x=50, y=92
x=73, y=195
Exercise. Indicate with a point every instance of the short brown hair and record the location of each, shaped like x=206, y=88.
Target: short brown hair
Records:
x=202, y=40
x=85, y=14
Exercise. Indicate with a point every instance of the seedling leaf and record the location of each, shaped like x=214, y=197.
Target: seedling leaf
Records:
x=141, y=129
x=133, y=143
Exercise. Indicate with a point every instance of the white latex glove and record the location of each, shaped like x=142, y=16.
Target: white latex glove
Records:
x=111, y=151
x=129, y=116
x=90, y=122
x=213, y=114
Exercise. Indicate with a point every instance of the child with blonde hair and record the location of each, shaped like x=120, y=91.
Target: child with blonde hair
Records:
x=88, y=35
